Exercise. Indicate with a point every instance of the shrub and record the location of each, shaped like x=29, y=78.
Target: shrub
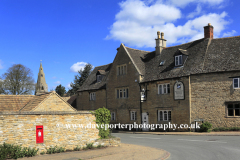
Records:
x=77, y=148
x=204, y=127
x=226, y=129
x=55, y=149
x=103, y=117
x=9, y=151
x=90, y=146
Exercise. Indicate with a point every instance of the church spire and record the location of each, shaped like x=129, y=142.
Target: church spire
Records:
x=41, y=86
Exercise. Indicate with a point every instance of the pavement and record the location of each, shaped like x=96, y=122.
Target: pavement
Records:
x=125, y=151
x=227, y=133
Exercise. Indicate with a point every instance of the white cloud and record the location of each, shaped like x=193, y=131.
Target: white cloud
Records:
x=183, y=3
x=68, y=86
x=54, y=77
x=137, y=24
x=77, y=66
x=58, y=82
x=197, y=11
x=1, y=66
x=229, y=34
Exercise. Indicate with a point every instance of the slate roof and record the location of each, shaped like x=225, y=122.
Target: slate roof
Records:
x=204, y=56
x=137, y=56
x=13, y=102
x=91, y=82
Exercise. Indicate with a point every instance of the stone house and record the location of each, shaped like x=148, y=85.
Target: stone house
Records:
x=195, y=81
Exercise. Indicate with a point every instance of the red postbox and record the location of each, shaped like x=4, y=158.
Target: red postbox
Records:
x=39, y=134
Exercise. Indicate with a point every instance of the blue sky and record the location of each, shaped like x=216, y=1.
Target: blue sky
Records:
x=66, y=34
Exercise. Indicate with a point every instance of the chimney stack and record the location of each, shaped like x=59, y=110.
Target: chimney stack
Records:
x=160, y=43
x=208, y=31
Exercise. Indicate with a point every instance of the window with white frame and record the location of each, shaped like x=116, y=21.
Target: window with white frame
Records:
x=178, y=60
x=113, y=117
x=92, y=96
x=236, y=83
x=99, y=78
x=133, y=115
x=122, y=69
x=164, y=115
x=122, y=93
x=164, y=88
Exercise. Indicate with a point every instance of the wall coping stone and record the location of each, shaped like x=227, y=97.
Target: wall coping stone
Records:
x=44, y=112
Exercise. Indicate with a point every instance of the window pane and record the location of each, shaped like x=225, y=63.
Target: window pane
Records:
x=125, y=69
x=230, y=112
x=230, y=106
x=169, y=115
x=235, y=81
x=160, y=89
x=121, y=70
x=180, y=60
x=168, y=88
x=237, y=112
x=118, y=70
x=165, y=116
x=124, y=93
x=127, y=93
x=164, y=89
x=117, y=93
x=236, y=105
x=120, y=93
x=176, y=61
x=161, y=115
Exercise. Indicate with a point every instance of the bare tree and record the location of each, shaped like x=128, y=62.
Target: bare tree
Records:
x=18, y=80
x=2, y=91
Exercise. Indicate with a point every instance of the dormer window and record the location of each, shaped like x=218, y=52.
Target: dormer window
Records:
x=178, y=60
x=236, y=83
x=99, y=78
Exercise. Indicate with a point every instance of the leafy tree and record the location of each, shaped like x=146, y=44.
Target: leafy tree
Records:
x=60, y=90
x=18, y=80
x=80, y=78
x=2, y=87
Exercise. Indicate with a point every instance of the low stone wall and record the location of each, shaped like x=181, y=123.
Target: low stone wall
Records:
x=64, y=129
x=113, y=142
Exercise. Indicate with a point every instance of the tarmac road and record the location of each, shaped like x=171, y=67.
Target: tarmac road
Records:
x=182, y=147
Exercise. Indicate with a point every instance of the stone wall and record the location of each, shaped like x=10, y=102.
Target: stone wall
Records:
x=209, y=94
x=20, y=128
x=84, y=103
x=123, y=106
x=113, y=142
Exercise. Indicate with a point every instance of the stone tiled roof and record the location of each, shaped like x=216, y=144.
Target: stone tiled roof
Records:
x=203, y=56
x=91, y=82
x=66, y=98
x=35, y=101
x=14, y=102
x=137, y=56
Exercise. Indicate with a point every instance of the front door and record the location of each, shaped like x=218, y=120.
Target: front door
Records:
x=145, y=121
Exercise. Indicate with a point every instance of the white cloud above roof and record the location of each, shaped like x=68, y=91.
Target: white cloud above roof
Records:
x=77, y=66
x=137, y=23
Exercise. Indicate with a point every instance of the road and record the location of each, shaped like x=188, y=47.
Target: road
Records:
x=188, y=147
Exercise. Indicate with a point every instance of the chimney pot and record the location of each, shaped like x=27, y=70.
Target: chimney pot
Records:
x=158, y=33
x=162, y=35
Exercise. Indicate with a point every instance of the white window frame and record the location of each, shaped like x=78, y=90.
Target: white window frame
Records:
x=238, y=79
x=133, y=115
x=164, y=117
x=92, y=96
x=122, y=93
x=178, y=59
x=113, y=116
x=163, y=88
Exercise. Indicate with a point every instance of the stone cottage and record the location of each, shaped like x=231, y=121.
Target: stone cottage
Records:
x=183, y=84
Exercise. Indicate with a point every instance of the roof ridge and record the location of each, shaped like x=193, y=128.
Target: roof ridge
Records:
x=103, y=65
x=226, y=37
x=137, y=49
x=184, y=43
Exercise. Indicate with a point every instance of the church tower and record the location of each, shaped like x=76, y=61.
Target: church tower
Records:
x=41, y=86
